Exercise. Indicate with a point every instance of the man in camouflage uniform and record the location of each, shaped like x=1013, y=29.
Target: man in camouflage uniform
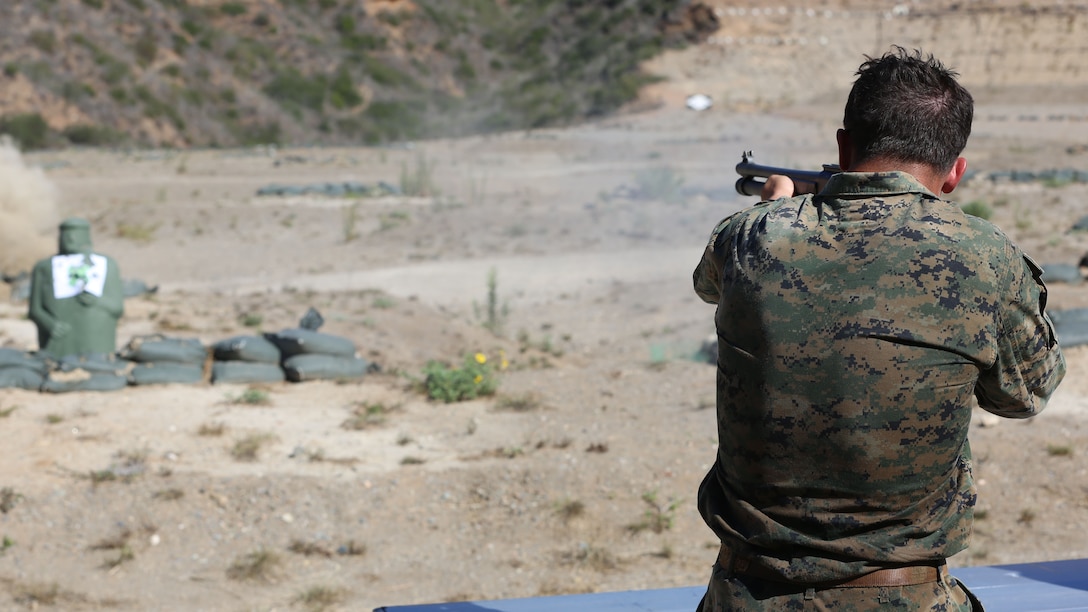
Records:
x=854, y=328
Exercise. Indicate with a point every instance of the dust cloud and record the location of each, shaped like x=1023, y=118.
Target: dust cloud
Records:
x=28, y=211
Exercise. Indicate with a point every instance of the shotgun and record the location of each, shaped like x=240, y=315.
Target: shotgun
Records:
x=752, y=176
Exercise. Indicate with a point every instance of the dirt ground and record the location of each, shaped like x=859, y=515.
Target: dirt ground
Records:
x=578, y=476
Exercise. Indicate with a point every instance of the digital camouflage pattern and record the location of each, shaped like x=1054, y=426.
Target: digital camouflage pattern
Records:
x=854, y=328
x=728, y=592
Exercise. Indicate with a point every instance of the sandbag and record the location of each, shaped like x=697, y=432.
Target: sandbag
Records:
x=13, y=358
x=246, y=372
x=254, y=349
x=1061, y=273
x=297, y=341
x=165, y=372
x=82, y=380
x=16, y=377
x=1070, y=326
x=157, y=348
x=95, y=363
x=300, y=368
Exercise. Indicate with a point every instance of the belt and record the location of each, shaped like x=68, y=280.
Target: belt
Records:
x=745, y=565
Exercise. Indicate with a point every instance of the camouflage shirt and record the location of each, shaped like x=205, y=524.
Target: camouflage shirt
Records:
x=854, y=329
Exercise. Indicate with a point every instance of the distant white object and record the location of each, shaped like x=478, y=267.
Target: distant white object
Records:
x=699, y=102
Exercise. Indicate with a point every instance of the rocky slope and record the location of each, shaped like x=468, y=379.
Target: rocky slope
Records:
x=228, y=72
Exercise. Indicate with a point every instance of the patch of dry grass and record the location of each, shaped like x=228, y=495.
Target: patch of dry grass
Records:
x=308, y=549
x=211, y=429
x=525, y=402
x=248, y=449
x=319, y=598
x=365, y=415
x=258, y=566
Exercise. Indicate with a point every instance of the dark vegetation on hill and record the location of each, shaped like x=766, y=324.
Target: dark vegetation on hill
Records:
x=230, y=73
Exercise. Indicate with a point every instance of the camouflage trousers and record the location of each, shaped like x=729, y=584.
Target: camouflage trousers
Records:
x=729, y=592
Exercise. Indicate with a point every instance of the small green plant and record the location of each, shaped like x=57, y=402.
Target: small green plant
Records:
x=5, y=544
x=419, y=180
x=351, y=217
x=383, y=302
x=118, y=543
x=493, y=314
x=252, y=396
x=8, y=497
x=412, y=460
x=475, y=378
x=53, y=419
x=1058, y=450
x=136, y=232
x=594, y=557
x=393, y=220
x=978, y=208
x=658, y=517
x=6, y=412
x=258, y=566
x=248, y=448
x=367, y=415
x=251, y=319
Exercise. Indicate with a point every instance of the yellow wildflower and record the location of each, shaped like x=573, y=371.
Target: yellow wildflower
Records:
x=481, y=358
x=479, y=379
x=503, y=363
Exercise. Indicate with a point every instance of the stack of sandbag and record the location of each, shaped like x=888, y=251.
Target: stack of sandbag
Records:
x=22, y=370
x=246, y=359
x=162, y=360
x=311, y=355
x=95, y=372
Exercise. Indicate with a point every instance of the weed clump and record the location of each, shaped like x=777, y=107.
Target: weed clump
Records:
x=258, y=566
x=475, y=378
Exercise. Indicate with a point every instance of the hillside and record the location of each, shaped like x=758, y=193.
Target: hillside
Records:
x=241, y=72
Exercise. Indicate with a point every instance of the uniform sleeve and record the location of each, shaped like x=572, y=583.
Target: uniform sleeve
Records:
x=708, y=274
x=1029, y=362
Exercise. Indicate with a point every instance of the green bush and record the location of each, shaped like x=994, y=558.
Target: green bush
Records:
x=394, y=120
x=44, y=40
x=475, y=378
x=232, y=9
x=28, y=129
x=384, y=74
x=146, y=48
x=342, y=92
x=978, y=208
x=291, y=87
x=92, y=135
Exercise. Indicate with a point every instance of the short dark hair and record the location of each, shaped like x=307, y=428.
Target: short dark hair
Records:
x=906, y=106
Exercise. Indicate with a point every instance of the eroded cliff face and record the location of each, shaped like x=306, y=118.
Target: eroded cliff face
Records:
x=779, y=54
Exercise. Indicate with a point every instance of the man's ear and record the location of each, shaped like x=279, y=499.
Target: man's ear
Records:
x=846, y=149
x=955, y=175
